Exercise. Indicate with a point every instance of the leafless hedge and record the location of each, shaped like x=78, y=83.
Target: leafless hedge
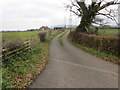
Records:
x=100, y=43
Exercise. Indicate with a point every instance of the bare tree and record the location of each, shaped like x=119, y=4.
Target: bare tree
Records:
x=99, y=21
x=88, y=12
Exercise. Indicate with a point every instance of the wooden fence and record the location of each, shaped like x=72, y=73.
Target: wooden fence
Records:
x=8, y=53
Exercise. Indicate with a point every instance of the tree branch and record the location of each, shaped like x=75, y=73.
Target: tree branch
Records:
x=76, y=13
x=83, y=7
x=108, y=16
x=108, y=4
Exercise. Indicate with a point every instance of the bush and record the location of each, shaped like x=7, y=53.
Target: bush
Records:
x=42, y=36
x=108, y=45
x=93, y=30
x=11, y=45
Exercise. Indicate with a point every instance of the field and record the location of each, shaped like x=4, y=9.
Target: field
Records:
x=109, y=32
x=14, y=36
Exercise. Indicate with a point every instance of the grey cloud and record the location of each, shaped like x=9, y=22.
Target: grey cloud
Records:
x=24, y=14
x=31, y=13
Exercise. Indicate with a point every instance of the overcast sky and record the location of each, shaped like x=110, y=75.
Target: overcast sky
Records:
x=32, y=14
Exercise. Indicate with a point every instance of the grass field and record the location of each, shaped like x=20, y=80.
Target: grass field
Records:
x=109, y=32
x=13, y=36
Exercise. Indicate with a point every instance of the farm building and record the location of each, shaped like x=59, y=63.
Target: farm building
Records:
x=55, y=28
x=43, y=28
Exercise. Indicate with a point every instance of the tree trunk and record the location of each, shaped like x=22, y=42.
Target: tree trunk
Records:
x=85, y=23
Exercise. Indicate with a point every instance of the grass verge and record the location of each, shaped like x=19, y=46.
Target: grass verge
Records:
x=60, y=38
x=102, y=55
x=20, y=71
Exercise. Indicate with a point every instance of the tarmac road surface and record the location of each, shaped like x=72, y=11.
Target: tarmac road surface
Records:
x=70, y=67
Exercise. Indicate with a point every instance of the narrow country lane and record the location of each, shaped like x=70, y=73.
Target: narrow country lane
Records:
x=70, y=67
